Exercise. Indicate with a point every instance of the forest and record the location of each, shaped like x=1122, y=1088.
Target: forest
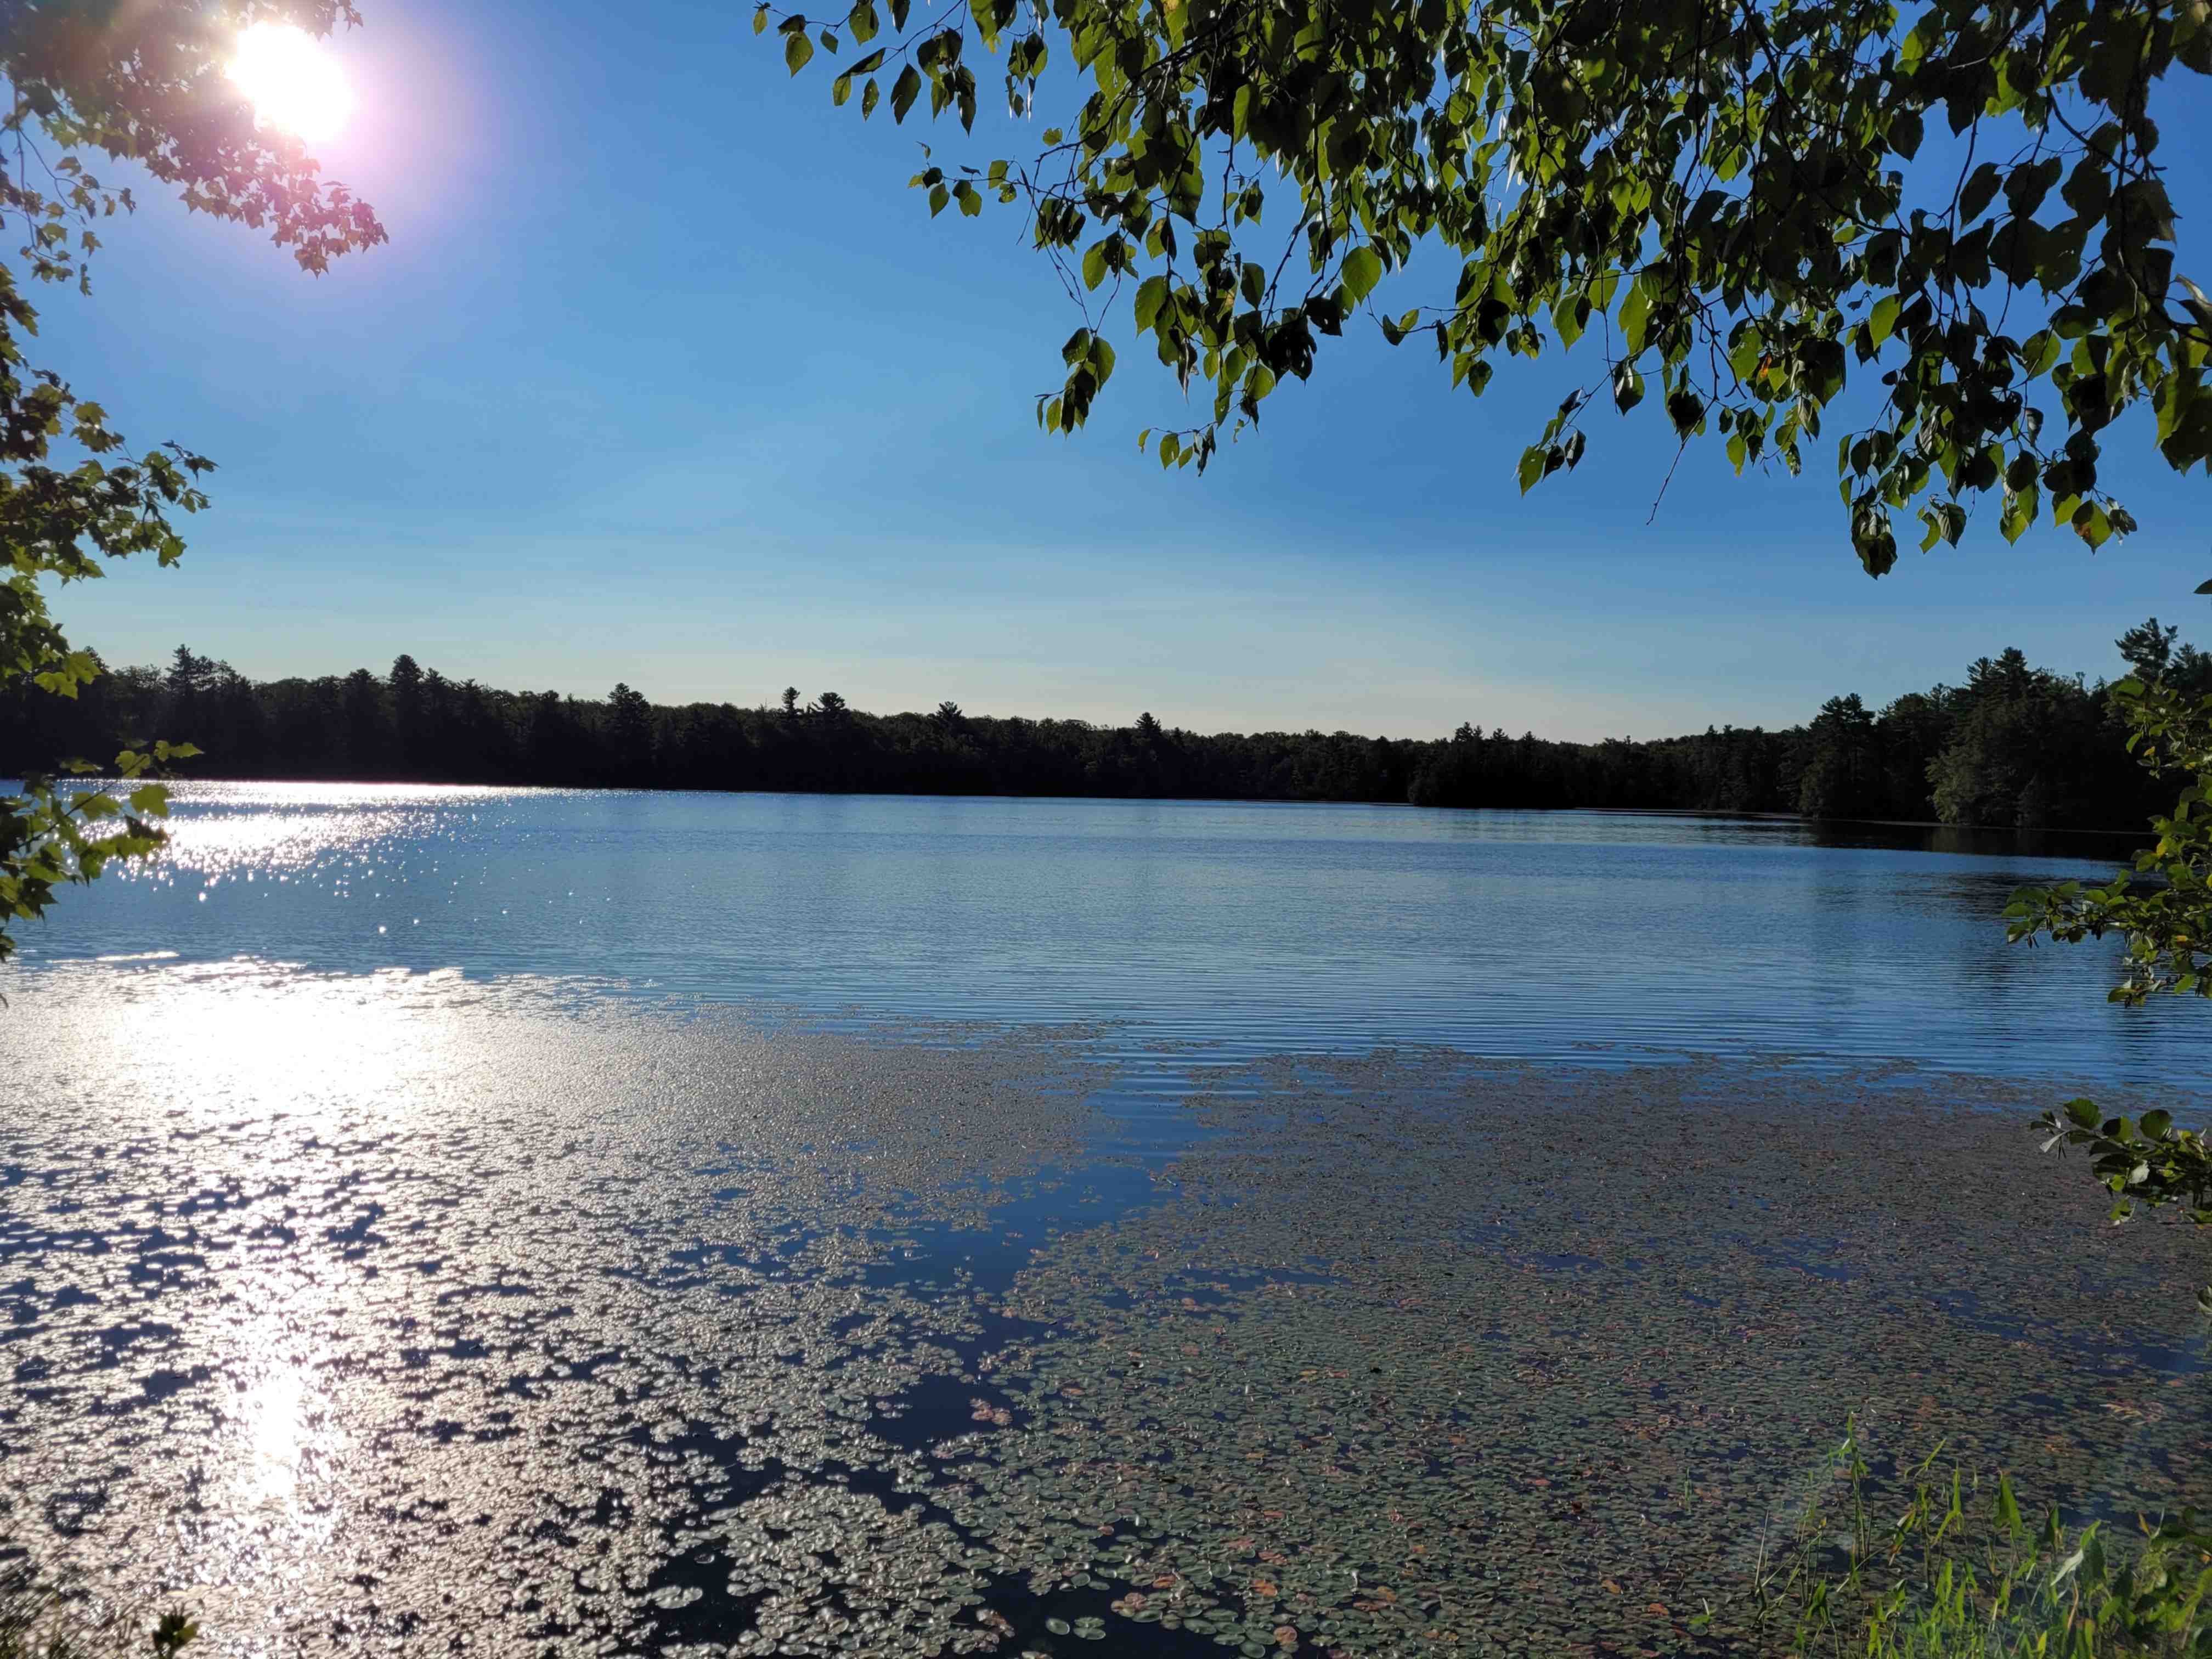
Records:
x=2011, y=745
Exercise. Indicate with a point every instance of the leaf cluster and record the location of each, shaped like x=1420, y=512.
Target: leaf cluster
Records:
x=2162, y=907
x=2146, y=1161
x=52, y=835
x=1729, y=198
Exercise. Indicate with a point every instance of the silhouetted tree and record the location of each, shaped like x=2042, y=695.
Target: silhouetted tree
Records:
x=406, y=684
x=368, y=732
x=2148, y=648
x=1839, y=777
x=629, y=734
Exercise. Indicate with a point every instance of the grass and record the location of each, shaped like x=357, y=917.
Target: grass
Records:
x=1958, y=1574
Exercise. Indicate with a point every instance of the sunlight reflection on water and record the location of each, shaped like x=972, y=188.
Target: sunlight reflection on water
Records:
x=1249, y=928
x=275, y=1415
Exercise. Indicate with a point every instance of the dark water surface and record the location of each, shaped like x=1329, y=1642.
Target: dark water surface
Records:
x=529, y=1223
x=1245, y=928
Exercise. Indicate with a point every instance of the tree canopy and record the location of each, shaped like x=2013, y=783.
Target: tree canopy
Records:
x=1733, y=206
x=144, y=83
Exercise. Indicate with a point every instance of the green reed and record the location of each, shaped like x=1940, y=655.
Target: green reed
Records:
x=1958, y=1573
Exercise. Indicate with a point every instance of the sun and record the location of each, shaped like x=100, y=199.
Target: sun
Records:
x=291, y=81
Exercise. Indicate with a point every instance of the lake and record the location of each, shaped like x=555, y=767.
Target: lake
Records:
x=1241, y=927
x=542, y=1222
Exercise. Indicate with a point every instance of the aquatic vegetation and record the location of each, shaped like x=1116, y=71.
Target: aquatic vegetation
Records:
x=1958, y=1573
x=346, y=1316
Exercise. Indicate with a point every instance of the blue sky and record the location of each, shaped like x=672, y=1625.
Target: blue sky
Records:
x=666, y=377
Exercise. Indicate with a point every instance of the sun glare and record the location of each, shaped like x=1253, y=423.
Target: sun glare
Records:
x=292, y=81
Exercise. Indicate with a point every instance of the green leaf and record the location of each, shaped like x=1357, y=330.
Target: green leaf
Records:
x=904, y=91
x=1980, y=191
x=1151, y=294
x=1569, y=317
x=1363, y=270
x=798, y=51
x=1634, y=313
x=1882, y=321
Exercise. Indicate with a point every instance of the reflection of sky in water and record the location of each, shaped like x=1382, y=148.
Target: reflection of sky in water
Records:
x=1245, y=927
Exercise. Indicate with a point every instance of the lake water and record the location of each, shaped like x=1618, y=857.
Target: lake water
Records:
x=1241, y=927
x=537, y=1223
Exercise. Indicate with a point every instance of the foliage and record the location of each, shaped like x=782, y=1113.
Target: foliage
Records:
x=144, y=84
x=50, y=835
x=1952, y=1579
x=2148, y=1161
x=36, y=1622
x=2163, y=909
x=2019, y=747
x=1741, y=205
x=2168, y=925
x=415, y=724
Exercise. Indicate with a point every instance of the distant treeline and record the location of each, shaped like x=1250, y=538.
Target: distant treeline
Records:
x=2014, y=745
